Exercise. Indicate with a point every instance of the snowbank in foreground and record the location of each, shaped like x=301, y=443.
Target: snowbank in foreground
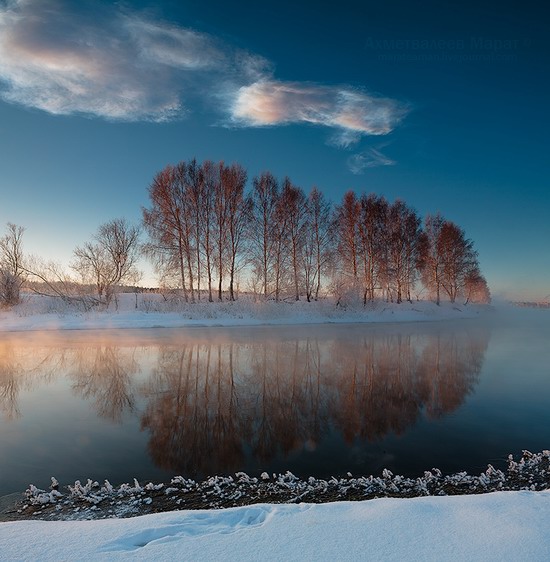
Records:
x=42, y=313
x=498, y=526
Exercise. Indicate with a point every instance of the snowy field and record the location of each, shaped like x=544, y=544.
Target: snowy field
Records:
x=498, y=526
x=153, y=311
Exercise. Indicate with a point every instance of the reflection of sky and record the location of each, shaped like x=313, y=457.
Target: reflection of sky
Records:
x=421, y=415
x=517, y=367
x=463, y=126
x=509, y=411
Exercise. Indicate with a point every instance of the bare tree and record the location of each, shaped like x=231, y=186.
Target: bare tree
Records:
x=12, y=272
x=167, y=224
x=317, y=246
x=221, y=217
x=110, y=258
x=265, y=195
x=184, y=179
x=195, y=195
x=293, y=205
x=50, y=279
x=431, y=262
x=211, y=181
x=458, y=256
x=413, y=250
x=347, y=222
x=447, y=258
x=202, y=223
x=372, y=229
x=238, y=215
x=403, y=228
x=476, y=288
x=280, y=234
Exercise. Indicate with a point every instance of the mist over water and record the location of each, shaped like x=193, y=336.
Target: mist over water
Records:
x=316, y=400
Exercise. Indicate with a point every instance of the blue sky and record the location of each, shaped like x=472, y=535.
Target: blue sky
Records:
x=444, y=104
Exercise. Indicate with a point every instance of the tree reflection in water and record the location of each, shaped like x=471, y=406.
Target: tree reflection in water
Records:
x=103, y=373
x=11, y=379
x=192, y=410
x=210, y=406
x=21, y=368
x=214, y=403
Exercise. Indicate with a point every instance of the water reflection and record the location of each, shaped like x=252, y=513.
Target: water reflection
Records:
x=194, y=412
x=214, y=402
x=103, y=374
x=21, y=368
x=211, y=405
x=11, y=380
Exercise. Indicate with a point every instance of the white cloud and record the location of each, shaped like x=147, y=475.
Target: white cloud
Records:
x=173, y=46
x=370, y=158
x=122, y=65
x=351, y=112
x=116, y=66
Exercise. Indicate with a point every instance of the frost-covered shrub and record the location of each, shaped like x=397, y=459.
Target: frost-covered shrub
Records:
x=530, y=472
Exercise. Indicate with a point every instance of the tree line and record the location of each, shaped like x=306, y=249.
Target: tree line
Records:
x=205, y=232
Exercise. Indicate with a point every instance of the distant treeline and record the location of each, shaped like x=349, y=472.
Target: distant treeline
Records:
x=205, y=231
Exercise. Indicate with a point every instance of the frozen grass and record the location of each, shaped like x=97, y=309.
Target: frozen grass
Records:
x=93, y=500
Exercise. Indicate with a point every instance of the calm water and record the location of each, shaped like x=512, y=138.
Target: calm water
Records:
x=317, y=401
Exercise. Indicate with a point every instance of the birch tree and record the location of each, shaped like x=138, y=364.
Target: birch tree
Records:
x=317, y=246
x=372, y=228
x=448, y=258
x=166, y=222
x=403, y=231
x=211, y=180
x=431, y=263
x=347, y=225
x=238, y=215
x=265, y=194
x=459, y=259
x=293, y=206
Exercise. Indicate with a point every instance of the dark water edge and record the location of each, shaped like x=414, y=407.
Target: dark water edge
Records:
x=95, y=501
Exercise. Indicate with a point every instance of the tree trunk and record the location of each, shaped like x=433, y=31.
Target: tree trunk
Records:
x=182, y=274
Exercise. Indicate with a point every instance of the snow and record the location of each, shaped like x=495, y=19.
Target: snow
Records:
x=497, y=526
x=45, y=313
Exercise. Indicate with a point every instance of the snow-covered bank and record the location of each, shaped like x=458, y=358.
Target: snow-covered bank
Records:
x=499, y=526
x=43, y=313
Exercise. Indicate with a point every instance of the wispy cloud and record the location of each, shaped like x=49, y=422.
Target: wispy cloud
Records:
x=117, y=66
x=352, y=113
x=173, y=46
x=122, y=65
x=369, y=158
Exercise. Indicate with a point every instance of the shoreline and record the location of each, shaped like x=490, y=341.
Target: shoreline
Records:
x=35, y=316
x=91, y=501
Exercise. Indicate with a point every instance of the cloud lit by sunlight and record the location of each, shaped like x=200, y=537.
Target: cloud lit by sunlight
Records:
x=117, y=66
x=122, y=65
x=352, y=113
